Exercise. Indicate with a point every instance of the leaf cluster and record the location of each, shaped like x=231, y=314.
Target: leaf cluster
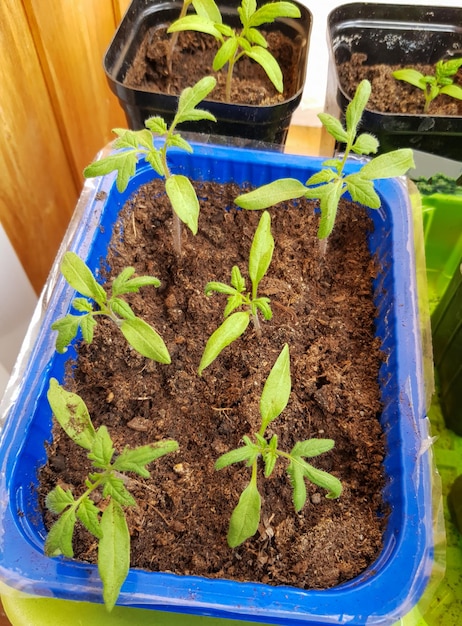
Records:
x=441, y=82
x=330, y=184
x=236, y=322
x=134, y=144
x=105, y=520
x=245, y=518
x=139, y=334
x=233, y=44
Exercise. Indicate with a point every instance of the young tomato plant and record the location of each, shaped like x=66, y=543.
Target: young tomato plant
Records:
x=441, y=82
x=274, y=398
x=104, y=518
x=331, y=183
x=249, y=41
x=133, y=144
x=236, y=322
x=142, y=337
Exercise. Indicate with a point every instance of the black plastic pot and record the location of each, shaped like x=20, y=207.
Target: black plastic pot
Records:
x=447, y=351
x=268, y=123
x=407, y=34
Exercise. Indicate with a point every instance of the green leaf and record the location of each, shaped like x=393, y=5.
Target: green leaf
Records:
x=136, y=459
x=243, y=44
x=225, y=53
x=335, y=163
x=121, y=308
x=87, y=325
x=119, y=281
x=67, y=328
x=255, y=37
x=177, y=140
x=156, y=124
x=145, y=340
x=154, y=158
x=297, y=480
x=137, y=141
x=234, y=302
x=329, y=196
x=124, y=162
x=190, y=98
x=267, y=61
x=261, y=251
x=245, y=517
x=196, y=23
x=225, y=30
x=82, y=305
x=193, y=116
x=312, y=447
x=276, y=392
x=271, y=194
x=72, y=414
x=271, y=11
x=270, y=455
x=219, y=288
x=455, y=91
x=88, y=514
x=355, y=109
x=59, y=499
x=231, y=329
x=322, y=177
x=362, y=190
x=207, y=8
x=135, y=284
x=80, y=278
x=323, y=479
x=263, y=305
x=246, y=453
x=449, y=67
x=113, y=553
x=334, y=127
x=411, y=76
x=365, y=144
x=114, y=488
x=237, y=280
x=59, y=538
x=102, y=449
x=389, y=165
x=184, y=200
x=246, y=10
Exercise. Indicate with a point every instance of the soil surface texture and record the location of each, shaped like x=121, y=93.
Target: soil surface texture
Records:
x=390, y=95
x=192, y=59
x=323, y=309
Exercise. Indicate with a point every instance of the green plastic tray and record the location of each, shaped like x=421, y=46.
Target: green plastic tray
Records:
x=442, y=224
x=442, y=221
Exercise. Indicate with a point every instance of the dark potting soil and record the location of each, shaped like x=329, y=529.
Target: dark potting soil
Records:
x=323, y=310
x=390, y=95
x=193, y=58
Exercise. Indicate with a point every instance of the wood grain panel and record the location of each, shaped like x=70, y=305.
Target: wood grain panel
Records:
x=37, y=192
x=71, y=40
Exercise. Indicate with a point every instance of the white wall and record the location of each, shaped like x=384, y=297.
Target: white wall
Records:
x=16, y=307
x=316, y=80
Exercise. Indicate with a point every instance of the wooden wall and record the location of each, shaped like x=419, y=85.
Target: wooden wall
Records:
x=56, y=112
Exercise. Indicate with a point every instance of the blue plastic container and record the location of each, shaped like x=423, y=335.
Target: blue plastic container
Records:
x=381, y=595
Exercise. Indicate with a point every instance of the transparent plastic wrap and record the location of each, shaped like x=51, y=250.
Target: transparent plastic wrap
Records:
x=391, y=586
